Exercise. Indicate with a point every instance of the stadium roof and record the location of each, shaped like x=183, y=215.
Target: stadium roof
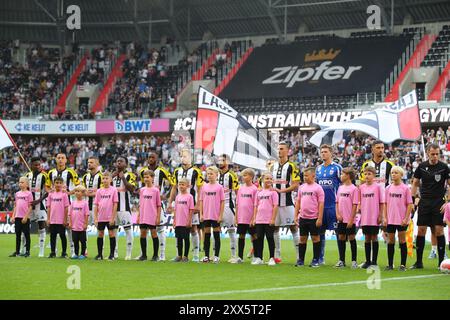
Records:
x=127, y=20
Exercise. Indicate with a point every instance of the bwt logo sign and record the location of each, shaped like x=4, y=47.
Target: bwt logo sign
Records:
x=73, y=21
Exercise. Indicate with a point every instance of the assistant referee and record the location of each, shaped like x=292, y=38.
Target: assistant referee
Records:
x=432, y=176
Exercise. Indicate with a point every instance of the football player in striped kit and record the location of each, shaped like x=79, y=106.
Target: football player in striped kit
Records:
x=328, y=176
x=40, y=184
x=70, y=178
x=125, y=182
x=92, y=181
x=195, y=177
x=230, y=182
x=286, y=178
x=161, y=179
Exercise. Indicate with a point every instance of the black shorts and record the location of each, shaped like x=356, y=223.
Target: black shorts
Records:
x=201, y=225
x=308, y=227
x=56, y=228
x=146, y=226
x=429, y=213
x=245, y=228
x=210, y=223
x=391, y=228
x=371, y=230
x=342, y=229
x=182, y=232
x=102, y=225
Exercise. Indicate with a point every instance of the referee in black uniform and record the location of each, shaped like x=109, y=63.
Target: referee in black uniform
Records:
x=432, y=176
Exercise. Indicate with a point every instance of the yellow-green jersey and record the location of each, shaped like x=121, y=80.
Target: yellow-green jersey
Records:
x=161, y=175
x=194, y=176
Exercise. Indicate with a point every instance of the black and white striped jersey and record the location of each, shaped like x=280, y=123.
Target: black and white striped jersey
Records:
x=38, y=181
x=194, y=176
x=230, y=182
x=124, y=195
x=92, y=182
x=283, y=177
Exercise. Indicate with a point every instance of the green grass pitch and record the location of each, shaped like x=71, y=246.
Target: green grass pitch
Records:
x=42, y=278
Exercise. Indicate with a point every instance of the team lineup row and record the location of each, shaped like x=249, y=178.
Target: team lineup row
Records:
x=221, y=202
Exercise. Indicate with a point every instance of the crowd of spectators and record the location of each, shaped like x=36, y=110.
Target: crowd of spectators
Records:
x=98, y=64
x=352, y=152
x=32, y=86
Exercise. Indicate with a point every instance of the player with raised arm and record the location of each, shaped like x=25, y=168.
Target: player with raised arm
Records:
x=195, y=178
x=125, y=182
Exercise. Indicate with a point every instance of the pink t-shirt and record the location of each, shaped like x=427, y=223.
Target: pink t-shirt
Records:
x=397, y=200
x=57, y=201
x=347, y=196
x=23, y=201
x=212, y=195
x=371, y=197
x=104, y=200
x=183, y=204
x=245, y=202
x=78, y=211
x=447, y=218
x=149, y=201
x=265, y=200
x=310, y=195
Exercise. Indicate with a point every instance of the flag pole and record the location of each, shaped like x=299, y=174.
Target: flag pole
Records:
x=15, y=146
x=423, y=148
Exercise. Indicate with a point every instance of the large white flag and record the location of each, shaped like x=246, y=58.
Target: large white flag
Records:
x=221, y=130
x=396, y=121
x=5, y=138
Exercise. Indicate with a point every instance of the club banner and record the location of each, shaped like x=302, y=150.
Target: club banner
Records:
x=396, y=121
x=222, y=130
x=331, y=66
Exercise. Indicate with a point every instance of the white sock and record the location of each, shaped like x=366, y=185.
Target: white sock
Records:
x=162, y=242
x=277, y=238
x=129, y=236
x=69, y=239
x=23, y=244
x=116, y=250
x=296, y=239
x=434, y=248
x=195, y=243
x=233, y=241
x=42, y=235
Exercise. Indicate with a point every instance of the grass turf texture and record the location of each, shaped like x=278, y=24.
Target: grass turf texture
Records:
x=43, y=278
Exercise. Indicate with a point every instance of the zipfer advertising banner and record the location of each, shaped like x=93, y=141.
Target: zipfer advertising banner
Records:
x=330, y=66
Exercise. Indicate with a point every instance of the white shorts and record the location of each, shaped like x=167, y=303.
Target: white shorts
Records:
x=285, y=216
x=228, y=218
x=123, y=219
x=195, y=219
x=38, y=215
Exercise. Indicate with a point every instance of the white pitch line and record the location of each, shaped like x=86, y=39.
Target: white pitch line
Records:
x=308, y=286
